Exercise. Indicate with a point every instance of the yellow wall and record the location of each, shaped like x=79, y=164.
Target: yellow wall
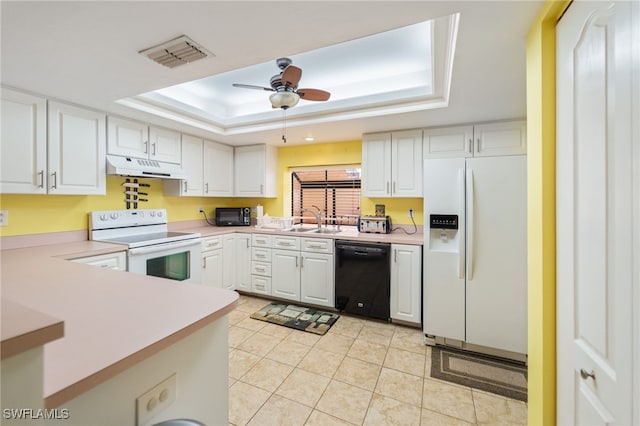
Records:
x=541, y=214
x=34, y=214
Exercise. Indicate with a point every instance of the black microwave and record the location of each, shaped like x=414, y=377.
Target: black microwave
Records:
x=233, y=216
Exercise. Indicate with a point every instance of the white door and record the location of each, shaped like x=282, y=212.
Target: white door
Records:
x=229, y=265
x=127, y=137
x=212, y=266
x=165, y=145
x=285, y=274
x=496, y=259
x=192, y=164
x=406, y=282
x=316, y=279
x=77, y=149
x=218, y=170
x=243, y=262
x=376, y=165
x=598, y=221
x=406, y=164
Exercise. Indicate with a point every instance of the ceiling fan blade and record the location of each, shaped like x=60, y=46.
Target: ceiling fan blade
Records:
x=251, y=86
x=291, y=76
x=313, y=94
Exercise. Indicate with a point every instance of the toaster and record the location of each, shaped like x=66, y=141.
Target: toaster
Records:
x=374, y=224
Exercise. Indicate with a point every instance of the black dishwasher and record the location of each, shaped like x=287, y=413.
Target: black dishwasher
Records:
x=362, y=278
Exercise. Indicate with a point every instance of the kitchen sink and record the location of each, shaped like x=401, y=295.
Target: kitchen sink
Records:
x=323, y=231
x=312, y=230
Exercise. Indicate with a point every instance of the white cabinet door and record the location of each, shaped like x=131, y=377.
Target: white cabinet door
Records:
x=406, y=283
x=316, y=279
x=23, y=144
x=116, y=261
x=77, y=145
x=448, y=142
x=406, y=164
x=481, y=140
x=212, y=264
x=164, y=145
x=127, y=138
x=243, y=262
x=192, y=165
x=229, y=258
x=376, y=165
x=218, y=169
x=285, y=274
x=255, y=171
x=502, y=138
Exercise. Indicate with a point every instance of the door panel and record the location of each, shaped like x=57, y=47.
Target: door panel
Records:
x=496, y=296
x=595, y=212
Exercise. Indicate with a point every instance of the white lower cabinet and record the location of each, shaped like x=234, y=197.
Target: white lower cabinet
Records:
x=261, y=264
x=285, y=274
x=243, y=262
x=406, y=283
x=107, y=261
x=316, y=279
x=218, y=261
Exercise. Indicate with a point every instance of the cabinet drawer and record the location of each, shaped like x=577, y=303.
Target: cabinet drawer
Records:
x=317, y=245
x=108, y=261
x=261, y=268
x=261, y=254
x=260, y=240
x=211, y=243
x=261, y=285
x=286, y=243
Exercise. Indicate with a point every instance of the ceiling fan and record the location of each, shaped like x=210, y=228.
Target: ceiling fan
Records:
x=285, y=86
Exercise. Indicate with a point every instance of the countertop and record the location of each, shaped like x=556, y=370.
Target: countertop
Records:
x=112, y=319
x=349, y=233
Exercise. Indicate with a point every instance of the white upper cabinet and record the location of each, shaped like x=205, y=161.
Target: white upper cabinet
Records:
x=255, y=171
x=503, y=138
x=192, y=165
x=131, y=138
x=480, y=140
x=392, y=164
x=23, y=144
x=76, y=160
x=165, y=145
x=218, y=169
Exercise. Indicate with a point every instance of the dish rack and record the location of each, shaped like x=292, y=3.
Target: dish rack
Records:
x=279, y=223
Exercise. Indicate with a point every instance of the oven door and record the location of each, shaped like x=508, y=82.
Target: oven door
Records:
x=180, y=260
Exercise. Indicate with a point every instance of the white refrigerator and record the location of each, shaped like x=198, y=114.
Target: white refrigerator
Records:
x=475, y=258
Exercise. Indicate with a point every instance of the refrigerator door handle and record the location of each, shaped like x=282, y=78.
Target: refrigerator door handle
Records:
x=470, y=224
x=461, y=237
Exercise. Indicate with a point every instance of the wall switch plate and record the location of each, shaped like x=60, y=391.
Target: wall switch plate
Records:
x=156, y=399
x=4, y=217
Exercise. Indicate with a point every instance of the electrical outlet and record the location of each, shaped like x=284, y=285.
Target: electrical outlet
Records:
x=156, y=399
x=4, y=217
x=200, y=209
x=410, y=214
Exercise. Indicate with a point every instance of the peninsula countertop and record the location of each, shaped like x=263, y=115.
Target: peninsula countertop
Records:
x=112, y=319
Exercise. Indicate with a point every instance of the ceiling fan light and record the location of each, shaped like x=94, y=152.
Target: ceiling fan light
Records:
x=284, y=99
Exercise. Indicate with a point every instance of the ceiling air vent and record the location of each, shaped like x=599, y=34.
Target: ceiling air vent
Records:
x=176, y=52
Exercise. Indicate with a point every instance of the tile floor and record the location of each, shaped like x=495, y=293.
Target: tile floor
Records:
x=360, y=373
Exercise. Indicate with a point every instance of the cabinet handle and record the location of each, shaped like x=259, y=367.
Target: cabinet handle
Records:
x=394, y=187
x=54, y=185
x=478, y=144
x=387, y=187
x=204, y=263
x=395, y=255
x=318, y=246
x=146, y=147
x=261, y=189
x=185, y=186
x=585, y=375
x=206, y=188
x=153, y=145
x=302, y=261
x=470, y=146
x=41, y=175
x=247, y=240
x=296, y=261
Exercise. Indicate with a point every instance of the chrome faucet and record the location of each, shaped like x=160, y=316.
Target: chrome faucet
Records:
x=317, y=215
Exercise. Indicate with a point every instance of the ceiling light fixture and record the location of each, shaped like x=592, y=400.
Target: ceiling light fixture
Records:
x=284, y=99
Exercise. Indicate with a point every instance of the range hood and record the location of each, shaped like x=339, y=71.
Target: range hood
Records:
x=140, y=167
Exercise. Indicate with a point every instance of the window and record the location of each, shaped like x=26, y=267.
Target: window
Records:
x=333, y=190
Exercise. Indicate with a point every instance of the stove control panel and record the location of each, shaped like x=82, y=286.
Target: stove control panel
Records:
x=126, y=218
